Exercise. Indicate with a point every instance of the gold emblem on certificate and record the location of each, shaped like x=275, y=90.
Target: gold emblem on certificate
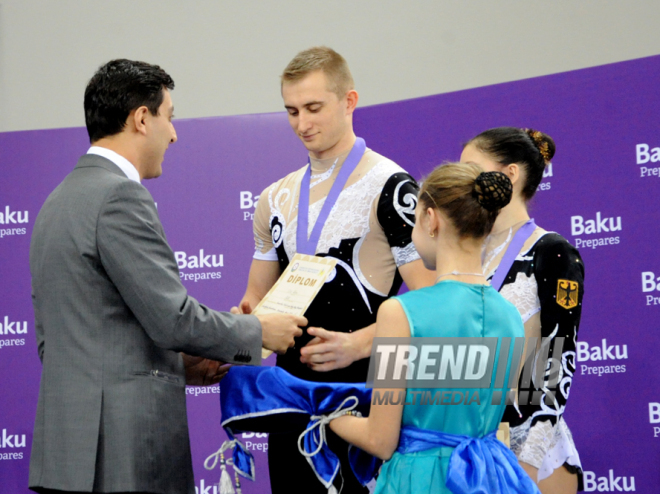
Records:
x=294, y=291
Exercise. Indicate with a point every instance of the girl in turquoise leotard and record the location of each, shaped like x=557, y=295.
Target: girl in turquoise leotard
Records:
x=457, y=207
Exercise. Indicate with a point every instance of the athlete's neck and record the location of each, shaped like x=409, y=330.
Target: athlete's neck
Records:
x=459, y=255
x=515, y=212
x=342, y=146
x=322, y=166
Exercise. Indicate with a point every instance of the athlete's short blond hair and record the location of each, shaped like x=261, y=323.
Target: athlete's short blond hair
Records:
x=333, y=65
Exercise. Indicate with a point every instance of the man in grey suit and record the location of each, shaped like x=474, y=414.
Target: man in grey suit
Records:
x=112, y=317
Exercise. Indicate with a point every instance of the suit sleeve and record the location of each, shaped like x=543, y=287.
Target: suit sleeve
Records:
x=560, y=277
x=141, y=264
x=38, y=330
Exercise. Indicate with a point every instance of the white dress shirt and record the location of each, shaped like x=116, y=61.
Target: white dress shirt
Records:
x=126, y=166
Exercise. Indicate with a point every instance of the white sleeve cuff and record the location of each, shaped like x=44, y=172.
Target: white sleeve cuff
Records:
x=271, y=255
x=404, y=255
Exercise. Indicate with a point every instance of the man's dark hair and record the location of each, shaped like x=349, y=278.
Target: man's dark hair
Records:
x=119, y=87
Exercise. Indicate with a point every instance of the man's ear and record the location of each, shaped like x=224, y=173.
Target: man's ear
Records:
x=138, y=118
x=351, y=101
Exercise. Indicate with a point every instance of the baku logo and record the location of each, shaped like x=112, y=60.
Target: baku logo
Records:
x=567, y=293
x=248, y=200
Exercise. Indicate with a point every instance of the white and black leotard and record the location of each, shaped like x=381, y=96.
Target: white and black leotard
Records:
x=546, y=284
x=368, y=232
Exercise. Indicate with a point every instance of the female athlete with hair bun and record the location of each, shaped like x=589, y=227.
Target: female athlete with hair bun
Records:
x=443, y=449
x=543, y=276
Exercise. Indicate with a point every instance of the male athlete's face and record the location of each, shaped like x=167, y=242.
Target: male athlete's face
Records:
x=317, y=115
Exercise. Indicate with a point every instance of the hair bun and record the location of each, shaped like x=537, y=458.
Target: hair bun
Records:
x=492, y=190
x=542, y=143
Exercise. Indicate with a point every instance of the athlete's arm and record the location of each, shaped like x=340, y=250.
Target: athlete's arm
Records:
x=559, y=273
x=265, y=269
x=263, y=275
x=378, y=434
x=330, y=350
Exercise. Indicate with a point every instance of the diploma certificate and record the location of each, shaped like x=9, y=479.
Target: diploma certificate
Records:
x=294, y=291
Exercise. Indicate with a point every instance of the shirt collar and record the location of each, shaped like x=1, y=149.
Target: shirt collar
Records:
x=126, y=166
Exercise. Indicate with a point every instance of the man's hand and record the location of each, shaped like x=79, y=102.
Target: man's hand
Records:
x=243, y=308
x=331, y=350
x=279, y=330
x=201, y=371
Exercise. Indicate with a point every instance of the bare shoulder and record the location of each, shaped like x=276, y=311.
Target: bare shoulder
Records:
x=392, y=320
x=391, y=307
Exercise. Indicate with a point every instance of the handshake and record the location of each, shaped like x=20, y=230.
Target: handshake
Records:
x=278, y=333
x=277, y=330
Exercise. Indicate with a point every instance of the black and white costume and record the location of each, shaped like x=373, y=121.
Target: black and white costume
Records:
x=546, y=284
x=368, y=232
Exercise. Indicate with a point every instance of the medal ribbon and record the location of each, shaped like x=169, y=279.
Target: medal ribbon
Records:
x=519, y=239
x=306, y=245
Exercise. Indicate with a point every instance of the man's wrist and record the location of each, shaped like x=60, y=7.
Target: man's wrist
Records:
x=362, y=339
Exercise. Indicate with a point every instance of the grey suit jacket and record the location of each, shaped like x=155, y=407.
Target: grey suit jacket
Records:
x=111, y=316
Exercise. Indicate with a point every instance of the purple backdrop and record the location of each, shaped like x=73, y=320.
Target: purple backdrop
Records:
x=600, y=193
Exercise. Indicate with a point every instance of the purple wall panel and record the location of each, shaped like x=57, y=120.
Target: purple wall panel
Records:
x=597, y=116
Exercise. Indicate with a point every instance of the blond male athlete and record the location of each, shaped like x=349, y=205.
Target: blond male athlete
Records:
x=367, y=230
